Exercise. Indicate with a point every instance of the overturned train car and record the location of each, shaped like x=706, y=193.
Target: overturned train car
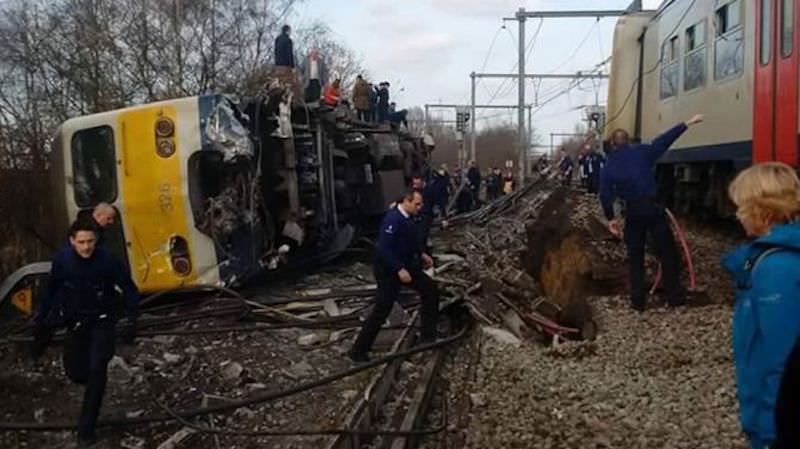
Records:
x=211, y=190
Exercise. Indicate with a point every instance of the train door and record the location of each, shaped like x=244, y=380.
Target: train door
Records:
x=775, y=133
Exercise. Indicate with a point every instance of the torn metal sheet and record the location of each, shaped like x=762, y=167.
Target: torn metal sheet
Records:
x=227, y=133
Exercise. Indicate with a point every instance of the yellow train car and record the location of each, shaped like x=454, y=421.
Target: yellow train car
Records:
x=137, y=160
x=210, y=190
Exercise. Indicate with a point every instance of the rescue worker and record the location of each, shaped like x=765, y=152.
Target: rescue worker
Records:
x=629, y=174
x=493, y=182
x=594, y=166
x=565, y=167
x=583, y=167
x=474, y=183
x=361, y=99
x=399, y=263
x=332, y=94
x=82, y=296
x=765, y=272
x=284, y=48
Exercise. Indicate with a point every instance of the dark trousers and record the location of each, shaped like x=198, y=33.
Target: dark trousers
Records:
x=363, y=115
x=646, y=218
x=313, y=91
x=593, y=182
x=383, y=113
x=787, y=406
x=388, y=289
x=87, y=351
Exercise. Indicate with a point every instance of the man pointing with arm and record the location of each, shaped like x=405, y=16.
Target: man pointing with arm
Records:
x=630, y=174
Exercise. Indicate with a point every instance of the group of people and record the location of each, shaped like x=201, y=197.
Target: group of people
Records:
x=371, y=103
x=590, y=164
x=765, y=272
x=495, y=184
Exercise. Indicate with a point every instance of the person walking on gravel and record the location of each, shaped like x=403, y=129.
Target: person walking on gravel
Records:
x=629, y=173
x=399, y=262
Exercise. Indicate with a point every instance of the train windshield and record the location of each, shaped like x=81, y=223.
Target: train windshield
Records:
x=94, y=166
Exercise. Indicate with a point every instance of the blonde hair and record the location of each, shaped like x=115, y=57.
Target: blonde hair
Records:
x=766, y=194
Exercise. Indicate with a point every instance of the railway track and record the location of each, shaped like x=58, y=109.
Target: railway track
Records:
x=391, y=399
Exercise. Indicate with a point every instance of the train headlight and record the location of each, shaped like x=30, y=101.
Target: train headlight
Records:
x=179, y=256
x=165, y=148
x=164, y=127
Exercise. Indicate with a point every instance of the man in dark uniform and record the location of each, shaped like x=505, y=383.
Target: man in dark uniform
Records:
x=82, y=296
x=493, y=184
x=474, y=183
x=594, y=165
x=629, y=174
x=565, y=167
x=284, y=48
x=399, y=263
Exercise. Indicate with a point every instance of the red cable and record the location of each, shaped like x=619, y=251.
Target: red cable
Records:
x=687, y=255
x=686, y=251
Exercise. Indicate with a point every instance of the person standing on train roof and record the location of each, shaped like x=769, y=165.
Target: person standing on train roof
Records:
x=361, y=98
x=83, y=297
x=629, y=174
x=284, y=48
x=765, y=272
x=400, y=261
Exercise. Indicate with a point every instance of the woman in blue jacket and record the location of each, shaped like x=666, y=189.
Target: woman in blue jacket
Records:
x=766, y=320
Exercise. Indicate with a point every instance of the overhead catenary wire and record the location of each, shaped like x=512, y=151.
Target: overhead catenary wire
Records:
x=528, y=49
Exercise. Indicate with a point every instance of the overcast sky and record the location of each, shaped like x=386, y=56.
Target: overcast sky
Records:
x=427, y=48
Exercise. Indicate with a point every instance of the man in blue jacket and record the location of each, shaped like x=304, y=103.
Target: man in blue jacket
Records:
x=399, y=263
x=629, y=174
x=82, y=297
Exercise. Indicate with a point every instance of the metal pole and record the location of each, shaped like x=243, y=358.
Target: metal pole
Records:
x=521, y=117
x=427, y=120
x=530, y=136
x=472, y=136
x=552, y=148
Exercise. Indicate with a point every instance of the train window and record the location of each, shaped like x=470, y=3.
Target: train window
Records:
x=728, y=17
x=694, y=63
x=673, y=48
x=729, y=44
x=765, y=49
x=695, y=36
x=94, y=166
x=669, y=80
x=787, y=28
